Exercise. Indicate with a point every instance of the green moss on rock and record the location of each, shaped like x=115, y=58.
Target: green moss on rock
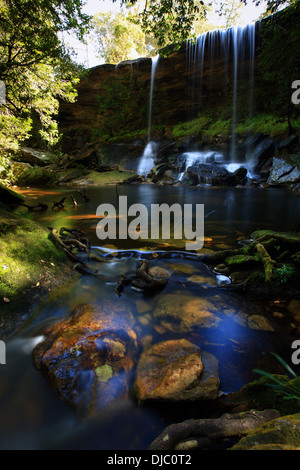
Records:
x=282, y=432
x=26, y=255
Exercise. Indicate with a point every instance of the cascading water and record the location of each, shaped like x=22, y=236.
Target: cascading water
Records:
x=234, y=51
x=150, y=152
x=243, y=49
x=236, y=33
x=192, y=158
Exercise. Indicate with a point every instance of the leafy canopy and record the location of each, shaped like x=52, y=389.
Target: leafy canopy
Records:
x=118, y=38
x=35, y=65
x=172, y=20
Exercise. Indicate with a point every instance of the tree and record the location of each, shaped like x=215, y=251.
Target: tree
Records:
x=230, y=10
x=279, y=61
x=35, y=65
x=169, y=20
x=118, y=38
x=172, y=20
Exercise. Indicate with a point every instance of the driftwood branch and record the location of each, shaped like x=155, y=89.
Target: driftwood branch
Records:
x=142, y=280
x=83, y=195
x=212, y=430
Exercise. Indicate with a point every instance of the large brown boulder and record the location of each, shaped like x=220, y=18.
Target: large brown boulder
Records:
x=88, y=358
x=175, y=370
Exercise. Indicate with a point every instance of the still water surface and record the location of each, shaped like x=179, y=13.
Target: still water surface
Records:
x=31, y=415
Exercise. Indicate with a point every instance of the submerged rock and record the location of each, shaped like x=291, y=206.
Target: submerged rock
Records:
x=88, y=358
x=175, y=370
x=182, y=313
x=258, y=322
x=159, y=272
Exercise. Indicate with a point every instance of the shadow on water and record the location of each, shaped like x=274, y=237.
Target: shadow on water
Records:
x=32, y=416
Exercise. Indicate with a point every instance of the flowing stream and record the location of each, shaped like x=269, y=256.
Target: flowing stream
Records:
x=31, y=414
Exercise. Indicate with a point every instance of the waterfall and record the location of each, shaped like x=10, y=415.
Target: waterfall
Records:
x=153, y=70
x=236, y=33
x=243, y=49
x=147, y=160
x=233, y=50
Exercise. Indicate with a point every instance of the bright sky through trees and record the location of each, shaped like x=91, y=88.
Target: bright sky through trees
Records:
x=87, y=54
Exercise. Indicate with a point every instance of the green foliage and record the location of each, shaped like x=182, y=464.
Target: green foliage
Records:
x=119, y=38
x=279, y=62
x=123, y=105
x=23, y=244
x=35, y=65
x=173, y=21
x=267, y=124
x=262, y=123
x=203, y=125
x=284, y=273
x=13, y=130
x=219, y=127
x=191, y=127
x=230, y=9
x=169, y=20
x=290, y=390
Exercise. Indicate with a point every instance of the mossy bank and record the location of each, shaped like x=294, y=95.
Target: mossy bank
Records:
x=30, y=265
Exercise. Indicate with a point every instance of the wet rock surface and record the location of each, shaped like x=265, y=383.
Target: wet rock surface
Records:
x=283, y=172
x=175, y=370
x=88, y=358
x=182, y=313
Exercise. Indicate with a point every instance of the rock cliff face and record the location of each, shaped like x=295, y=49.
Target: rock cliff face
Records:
x=113, y=101
x=215, y=82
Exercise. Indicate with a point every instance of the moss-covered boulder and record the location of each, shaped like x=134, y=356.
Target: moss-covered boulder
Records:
x=24, y=174
x=88, y=358
x=279, y=434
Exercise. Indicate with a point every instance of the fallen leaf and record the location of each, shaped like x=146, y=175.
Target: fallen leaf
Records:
x=38, y=284
x=6, y=300
x=52, y=264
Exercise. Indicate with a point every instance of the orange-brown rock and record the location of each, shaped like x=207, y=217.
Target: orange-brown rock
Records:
x=88, y=358
x=182, y=313
x=174, y=371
